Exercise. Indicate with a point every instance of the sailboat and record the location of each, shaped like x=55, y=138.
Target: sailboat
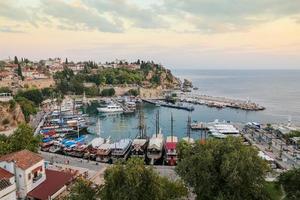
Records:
x=155, y=148
x=140, y=143
x=95, y=143
x=170, y=146
x=188, y=139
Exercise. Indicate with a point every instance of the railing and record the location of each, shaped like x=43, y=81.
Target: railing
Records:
x=38, y=177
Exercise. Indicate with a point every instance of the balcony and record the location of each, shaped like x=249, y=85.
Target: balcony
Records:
x=38, y=177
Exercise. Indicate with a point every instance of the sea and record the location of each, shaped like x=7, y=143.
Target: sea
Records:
x=277, y=90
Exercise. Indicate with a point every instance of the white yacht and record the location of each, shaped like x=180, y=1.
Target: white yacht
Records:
x=110, y=109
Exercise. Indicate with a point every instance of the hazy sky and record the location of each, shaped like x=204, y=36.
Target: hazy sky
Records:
x=203, y=34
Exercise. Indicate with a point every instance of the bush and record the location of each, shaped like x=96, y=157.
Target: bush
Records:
x=133, y=92
x=108, y=92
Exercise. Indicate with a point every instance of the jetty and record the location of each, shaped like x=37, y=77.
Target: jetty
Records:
x=220, y=102
x=125, y=108
x=170, y=105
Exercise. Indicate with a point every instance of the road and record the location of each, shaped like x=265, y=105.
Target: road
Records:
x=167, y=171
x=273, y=147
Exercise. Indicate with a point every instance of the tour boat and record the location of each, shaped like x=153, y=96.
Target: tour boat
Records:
x=139, y=147
x=121, y=149
x=156, y=144
x=155, y=147
x=170, y=147
x=110, y=109
x=103, y=153
x=140, y=143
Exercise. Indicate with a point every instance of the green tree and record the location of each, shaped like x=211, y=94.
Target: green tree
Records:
x=23, y=138
x=108, y=92
x=83, y=190
x=290, y=181
x=34, y=95
x=135, y=181
x=27, y=106
x=224, y=169
x=4, y=145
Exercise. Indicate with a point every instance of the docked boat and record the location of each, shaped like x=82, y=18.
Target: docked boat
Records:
x=111, y=108
x=188, y=138
x=103, y=153
x=140, y=143
x=155, y=148
x=170, y=147
x=156, y=144
x=198, y=126
x=120, y=150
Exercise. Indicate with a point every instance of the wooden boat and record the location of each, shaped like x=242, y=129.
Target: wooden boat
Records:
x=120, y=150
x=170, y=147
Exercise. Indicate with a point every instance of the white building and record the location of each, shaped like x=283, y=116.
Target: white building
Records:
x=28, y=169
x=7, y=185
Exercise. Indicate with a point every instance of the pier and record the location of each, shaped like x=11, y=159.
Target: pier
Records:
x=164, y=104
x=220, y=102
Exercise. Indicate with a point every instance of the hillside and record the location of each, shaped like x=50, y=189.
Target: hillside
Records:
x=11, y=115
x=147, y=75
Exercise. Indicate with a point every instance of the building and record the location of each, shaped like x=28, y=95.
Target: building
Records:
x=7, y=185
x=23, y=176
x=28, y=169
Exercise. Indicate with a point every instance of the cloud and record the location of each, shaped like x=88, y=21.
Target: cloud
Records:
x=229, y=15
x=123, y=9
x=76, y=17
x=193, y=16
x=7, y=29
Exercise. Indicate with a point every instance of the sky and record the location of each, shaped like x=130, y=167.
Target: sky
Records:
x=196, y=34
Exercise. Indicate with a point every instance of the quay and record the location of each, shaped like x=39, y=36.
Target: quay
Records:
x=220, y=102
x=164, y=104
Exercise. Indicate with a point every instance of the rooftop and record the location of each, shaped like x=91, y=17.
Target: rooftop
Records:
x=23, y=159
x=5, y=174
x=54, y=182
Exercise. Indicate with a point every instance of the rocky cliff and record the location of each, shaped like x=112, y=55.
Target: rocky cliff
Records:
x=10, y=115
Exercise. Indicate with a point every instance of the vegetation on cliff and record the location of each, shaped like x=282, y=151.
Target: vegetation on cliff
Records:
x=11, y=115
x=148, y=75
x=22, y=138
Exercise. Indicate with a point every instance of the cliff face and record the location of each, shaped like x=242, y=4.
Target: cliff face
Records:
x=162, y=78
x=11, y=116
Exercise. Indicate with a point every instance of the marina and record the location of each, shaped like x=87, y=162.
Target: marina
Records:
x=219, y=102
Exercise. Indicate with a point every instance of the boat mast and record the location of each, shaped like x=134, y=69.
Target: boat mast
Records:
x=188, y=128
x=99, y=126
x=141, y=124
x=157, y=123
x=172, y=123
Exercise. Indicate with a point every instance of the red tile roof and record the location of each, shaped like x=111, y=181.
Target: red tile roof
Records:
x=23, y=159
x=55, y=180
x=5, y=174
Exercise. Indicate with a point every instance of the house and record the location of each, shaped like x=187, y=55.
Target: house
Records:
x=7, y=185
x=28, y=169
x=23, y=175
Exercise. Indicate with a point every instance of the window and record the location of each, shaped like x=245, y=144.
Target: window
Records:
x=29, y=176
x=20, y=175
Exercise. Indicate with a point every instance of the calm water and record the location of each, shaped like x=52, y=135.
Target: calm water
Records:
x=278, y=91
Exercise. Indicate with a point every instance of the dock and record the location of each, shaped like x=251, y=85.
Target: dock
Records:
x=220, y=102
x=164, y=104
x=125, y=108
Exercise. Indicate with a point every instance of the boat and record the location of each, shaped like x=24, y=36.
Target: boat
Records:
x=156, y=144
x=188, y=138
x=140, y=143
x=170, y=147
x=120, y=150
x=103, y=153
x=198, y=126
x=111, y=108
